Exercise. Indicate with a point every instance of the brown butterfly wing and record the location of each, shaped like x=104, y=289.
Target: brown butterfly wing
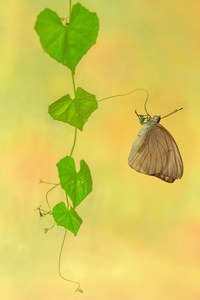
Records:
x=156, y=153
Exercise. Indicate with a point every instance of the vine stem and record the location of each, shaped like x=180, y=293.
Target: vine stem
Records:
x=78, y=289
x=74, y=86
x=126, y=94
x=47, y=182
x=70, y=9
x=74, y=143
x=49, y=192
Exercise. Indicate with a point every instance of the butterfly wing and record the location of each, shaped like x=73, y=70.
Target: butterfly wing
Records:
x=156, y=153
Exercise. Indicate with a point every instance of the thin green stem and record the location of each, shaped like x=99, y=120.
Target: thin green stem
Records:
x=47, y=182
x=49, y=228
x=70, y=9
x=67, y=200
x=74, y=86
x=74, y=142
x=122, y=95
x=48, y=194
x=75, y=133
x=78, y=289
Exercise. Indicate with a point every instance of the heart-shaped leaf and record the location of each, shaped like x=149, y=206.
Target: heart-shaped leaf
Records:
x=74, y=112
x=67, y=43
x=67, y=218
x=76, y=184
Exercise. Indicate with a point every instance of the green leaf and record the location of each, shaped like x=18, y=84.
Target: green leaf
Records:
x=67, y=43
x=74, y=112
x=67, y=218
x=76, y=184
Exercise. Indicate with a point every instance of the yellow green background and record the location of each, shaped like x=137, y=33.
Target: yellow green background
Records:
x=140, y=237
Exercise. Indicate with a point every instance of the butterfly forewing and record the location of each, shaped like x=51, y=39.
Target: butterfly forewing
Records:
x=155, y=153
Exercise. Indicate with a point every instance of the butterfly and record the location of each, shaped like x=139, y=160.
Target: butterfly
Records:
x=155, y=151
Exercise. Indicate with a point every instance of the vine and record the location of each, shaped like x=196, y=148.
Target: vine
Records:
x=67, y=40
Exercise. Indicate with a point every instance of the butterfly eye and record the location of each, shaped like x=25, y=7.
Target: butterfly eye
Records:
x=157, y=119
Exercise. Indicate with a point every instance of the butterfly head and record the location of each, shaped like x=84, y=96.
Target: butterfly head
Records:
x=146, y=118
x=156, y=119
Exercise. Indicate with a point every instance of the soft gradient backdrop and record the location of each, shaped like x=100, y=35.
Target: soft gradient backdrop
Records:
x=140, y=238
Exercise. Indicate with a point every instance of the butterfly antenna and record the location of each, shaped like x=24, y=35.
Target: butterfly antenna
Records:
x=173, y=112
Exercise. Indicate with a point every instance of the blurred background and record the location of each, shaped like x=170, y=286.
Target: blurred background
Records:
x=140, y=237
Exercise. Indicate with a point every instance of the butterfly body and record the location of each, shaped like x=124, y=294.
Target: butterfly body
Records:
x=155, y=151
